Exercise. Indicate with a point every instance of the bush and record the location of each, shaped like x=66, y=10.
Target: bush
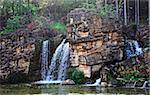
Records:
x=107, y=11
x=58, y=26
x=76, y=75
x=12, y=24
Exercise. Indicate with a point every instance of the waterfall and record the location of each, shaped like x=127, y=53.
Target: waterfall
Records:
x=55, y=72
x=63, y=64
x=133, y=48
x=59, y=62
x=44, y=60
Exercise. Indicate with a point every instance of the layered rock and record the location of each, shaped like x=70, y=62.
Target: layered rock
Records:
x=20, y=54
x=93, y=41
x=16, y=52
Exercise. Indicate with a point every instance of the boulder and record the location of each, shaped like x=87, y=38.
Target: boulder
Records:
x=104, y=84
x=68, y=82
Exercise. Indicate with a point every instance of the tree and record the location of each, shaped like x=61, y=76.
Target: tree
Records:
x=105, y=1
x=137, y=12
x=125, y=12
x=149, y=13
x=99, y=4
x=128, y=11
x=117, y=9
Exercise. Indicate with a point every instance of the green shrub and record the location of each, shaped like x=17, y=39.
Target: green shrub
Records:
x=12, y=24
x=76, y=75
x=58, y=26
x=107, y=11
x=69, y=72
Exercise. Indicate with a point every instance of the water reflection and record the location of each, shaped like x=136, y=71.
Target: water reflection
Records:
x=27, y=89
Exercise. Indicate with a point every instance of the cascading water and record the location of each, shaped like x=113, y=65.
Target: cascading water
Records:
x=55, y=72
x=63, y=64
x=59, y=62
x=44, y=60
x=133, y=48
x=97, y=83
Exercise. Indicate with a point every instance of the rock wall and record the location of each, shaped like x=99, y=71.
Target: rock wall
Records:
x=93, y=41
x=16, y=54
x=20, y=55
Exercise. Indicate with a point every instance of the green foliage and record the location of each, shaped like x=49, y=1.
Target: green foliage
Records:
x=129, y=72
x=12, y=24
x=104, y=10
x=18, y=7
x=76, y=75
x=90, y=5
x=107, y=11
x=58, y=26
x=16, y=13
x=69, y=5
x=34, y=9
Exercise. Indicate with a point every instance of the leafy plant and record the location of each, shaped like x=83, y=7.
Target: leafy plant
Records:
x=104, y=10
x=12, y=24
x=76, y=75
x=90, y=5
x=31, y=8
x=107, y=11
x=58, y=26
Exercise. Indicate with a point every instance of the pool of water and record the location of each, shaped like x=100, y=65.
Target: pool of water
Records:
x=32, y=89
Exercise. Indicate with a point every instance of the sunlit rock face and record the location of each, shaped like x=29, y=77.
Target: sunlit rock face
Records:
x=16, y=53
x=93, y=41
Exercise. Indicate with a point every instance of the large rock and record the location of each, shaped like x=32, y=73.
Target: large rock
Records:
x=68, y=82
x=93, y=40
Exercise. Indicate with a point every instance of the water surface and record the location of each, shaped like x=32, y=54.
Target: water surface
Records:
x=28, y=89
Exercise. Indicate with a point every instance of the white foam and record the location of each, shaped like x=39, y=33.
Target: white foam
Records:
x=97, y=83
x=48, y=82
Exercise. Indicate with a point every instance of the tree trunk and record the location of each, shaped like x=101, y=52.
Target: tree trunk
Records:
x=128, y=11
x=125, y=12
x=137, y=12
x=117, y=10
x=105, y=2
x=13, y=8
x=87, y=1
x=149, y=13
x=28, y=3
